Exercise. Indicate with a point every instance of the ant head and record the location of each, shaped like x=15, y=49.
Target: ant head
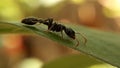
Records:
x=70, y=33
x=30, y=21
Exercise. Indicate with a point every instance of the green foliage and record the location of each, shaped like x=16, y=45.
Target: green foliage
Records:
x=77, y=61
x=102, y=45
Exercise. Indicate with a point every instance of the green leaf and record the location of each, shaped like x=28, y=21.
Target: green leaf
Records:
x=102, y=45
x=77, y=61
x=11, y=27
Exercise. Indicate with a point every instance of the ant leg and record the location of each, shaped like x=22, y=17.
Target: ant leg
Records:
x=62, y=34
x=77, y=43
x=85, y=40
x=50, y=28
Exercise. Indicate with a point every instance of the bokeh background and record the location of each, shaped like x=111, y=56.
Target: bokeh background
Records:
x=15, y=48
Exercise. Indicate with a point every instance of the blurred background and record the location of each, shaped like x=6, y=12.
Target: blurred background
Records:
x=16, y=50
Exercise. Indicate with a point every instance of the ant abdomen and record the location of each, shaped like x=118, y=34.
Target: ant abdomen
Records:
x=30, y=21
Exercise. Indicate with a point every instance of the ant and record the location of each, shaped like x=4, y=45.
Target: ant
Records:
x=53, y=26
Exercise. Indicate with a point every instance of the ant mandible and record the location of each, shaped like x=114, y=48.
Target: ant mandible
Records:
x=53, y=26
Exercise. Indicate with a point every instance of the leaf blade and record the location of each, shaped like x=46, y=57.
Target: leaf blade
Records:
x=102, y=45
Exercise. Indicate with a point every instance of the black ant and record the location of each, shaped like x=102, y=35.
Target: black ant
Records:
x=53, y=26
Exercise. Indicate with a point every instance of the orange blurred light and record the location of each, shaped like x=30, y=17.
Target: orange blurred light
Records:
x=112, y=5
x=87, y=14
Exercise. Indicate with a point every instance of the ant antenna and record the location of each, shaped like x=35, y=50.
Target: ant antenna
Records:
x=85, y=40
